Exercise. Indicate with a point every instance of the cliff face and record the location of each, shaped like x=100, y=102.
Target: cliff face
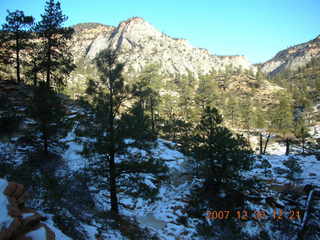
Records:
x=292, y=58
x=85, y=34
x=139, y=44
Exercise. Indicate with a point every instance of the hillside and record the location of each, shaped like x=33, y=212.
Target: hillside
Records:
x=123, y=132
x=292, y=58
x=139, y=43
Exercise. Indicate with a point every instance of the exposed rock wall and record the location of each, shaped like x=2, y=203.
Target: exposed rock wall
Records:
x=292, y=58
x=139, y=44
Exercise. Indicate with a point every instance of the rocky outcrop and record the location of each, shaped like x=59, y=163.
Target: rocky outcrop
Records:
x=139, y=44
x=292, y=58
x=85, y=34
x=16, y=221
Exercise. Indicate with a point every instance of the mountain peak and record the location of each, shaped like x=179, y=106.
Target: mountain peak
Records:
x=135, y=19
x=139, y=43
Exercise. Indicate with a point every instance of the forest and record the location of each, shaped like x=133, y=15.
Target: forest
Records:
x=150, y=155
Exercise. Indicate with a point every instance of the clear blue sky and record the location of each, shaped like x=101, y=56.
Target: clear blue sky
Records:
x=257, y=29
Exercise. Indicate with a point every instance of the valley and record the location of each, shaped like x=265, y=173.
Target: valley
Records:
x=124, y=132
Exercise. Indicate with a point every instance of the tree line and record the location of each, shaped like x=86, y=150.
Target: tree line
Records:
x=123, y=113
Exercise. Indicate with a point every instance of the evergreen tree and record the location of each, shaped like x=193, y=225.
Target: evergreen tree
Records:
x=231, y=109
x=111, y=124
x=283, y=118
x=148, y=86
x=47, y=109
x=301, y=130
x=51, y=59
x=55, y=57
x=168, y=113
x=246, y=115
x=9, y=120
x=206, y=94
x=185, y=87
x=260, y=125
x=16, y=37
x=221, y=155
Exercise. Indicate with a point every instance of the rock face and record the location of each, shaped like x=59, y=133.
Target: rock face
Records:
x=16, y=221
x=139, y=43
x=292, y=58
x=85, y=34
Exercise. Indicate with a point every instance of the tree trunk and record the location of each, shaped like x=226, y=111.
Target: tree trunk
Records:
x=266, y=144
x=112, y=165
x=49, y=63
x=113, y=185
x=17, y=61
x=261, y=149
x=287, y=146
x=152, y=115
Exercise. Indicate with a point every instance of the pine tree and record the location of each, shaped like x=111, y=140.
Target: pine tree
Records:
x=220, y=158
x=221, y=155
x=301, y=130
x=246, y=115
x=168, y=113
x=206, y=94
x=148, y=86
x=51, y=60
x=283, y=118
x=231, y=109
x=17, y=35
x=185, y=87
x=9, y=120
x=260, y=125
x=47, y=109
x=56, y=58
x=111, y=124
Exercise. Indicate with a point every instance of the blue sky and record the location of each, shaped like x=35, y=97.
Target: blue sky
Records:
x=257, y=29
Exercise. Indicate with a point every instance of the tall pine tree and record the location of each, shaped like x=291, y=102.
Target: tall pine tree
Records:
x=283, y=118
x=16, y=37
x=56, y=58
x=53, y=61
x=111, y=124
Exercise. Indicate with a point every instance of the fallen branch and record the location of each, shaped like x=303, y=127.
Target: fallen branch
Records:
x=305, y=216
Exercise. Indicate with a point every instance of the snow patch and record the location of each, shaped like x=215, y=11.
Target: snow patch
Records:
x=38, y=234
x=5, y=219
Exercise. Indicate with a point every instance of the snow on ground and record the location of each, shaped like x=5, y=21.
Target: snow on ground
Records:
x=49, y=222
x=9, y=152
x=165, y=151
x=72, y=155
x=91, y=231
x=5, y=219
x=276, y=149
x=310, y=167
x=162, y=216
x=38, y=234
x=315, y=131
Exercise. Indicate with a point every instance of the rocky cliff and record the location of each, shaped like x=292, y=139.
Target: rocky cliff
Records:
x=139, y=44
x=292, y=58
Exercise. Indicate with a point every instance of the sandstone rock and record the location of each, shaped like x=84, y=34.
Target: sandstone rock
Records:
x=292, y=58
x=138, y=44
